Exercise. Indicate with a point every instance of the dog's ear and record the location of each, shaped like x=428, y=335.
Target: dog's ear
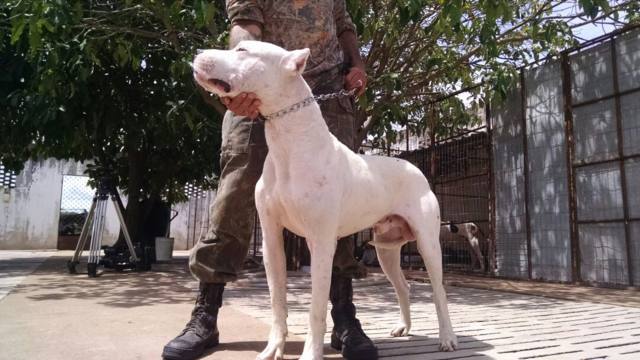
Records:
x=295, y=61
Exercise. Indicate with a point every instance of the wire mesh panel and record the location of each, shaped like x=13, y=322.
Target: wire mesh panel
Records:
x=595, y=132
x=592, y=74
x=632, y=167
x=630, y=114
x=599, y=193
x=547, y=171
x=628, y=48
x=508, y=168
x=603, y=253
x=635, y=250
x=74, y=205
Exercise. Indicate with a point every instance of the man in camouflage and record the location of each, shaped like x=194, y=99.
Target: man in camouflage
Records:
x=325, y=27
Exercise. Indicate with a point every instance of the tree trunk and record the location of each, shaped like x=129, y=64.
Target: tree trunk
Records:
x=134, y=210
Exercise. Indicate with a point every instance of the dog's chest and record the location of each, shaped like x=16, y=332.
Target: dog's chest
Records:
x=305, y=196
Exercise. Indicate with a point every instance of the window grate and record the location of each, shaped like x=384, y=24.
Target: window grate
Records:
x=193, y=191
x=7, y=178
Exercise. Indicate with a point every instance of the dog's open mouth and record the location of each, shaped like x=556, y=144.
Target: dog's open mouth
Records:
x=220, y=84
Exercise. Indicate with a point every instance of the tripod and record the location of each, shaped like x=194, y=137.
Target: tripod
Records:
x=97, y=217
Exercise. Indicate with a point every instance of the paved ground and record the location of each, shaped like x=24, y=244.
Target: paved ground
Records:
x=53, y=315
x=16, y=265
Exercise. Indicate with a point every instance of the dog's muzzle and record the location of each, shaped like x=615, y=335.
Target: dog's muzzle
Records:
x=220, y=84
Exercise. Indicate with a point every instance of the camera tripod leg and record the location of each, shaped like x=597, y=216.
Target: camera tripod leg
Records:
x=125, y=231
x=82, y=241
x=96, y=238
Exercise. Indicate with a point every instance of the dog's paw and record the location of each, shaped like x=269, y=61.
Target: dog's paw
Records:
x=400, y=330
x=272, y=352
x=448, y=342
x=316, y=356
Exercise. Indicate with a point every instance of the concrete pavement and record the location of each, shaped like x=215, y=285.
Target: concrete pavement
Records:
x=52, y=315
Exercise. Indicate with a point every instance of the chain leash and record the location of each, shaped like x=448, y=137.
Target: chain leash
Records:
x=308, y=101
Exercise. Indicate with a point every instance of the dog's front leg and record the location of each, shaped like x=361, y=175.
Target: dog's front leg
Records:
x=322, y=250
x=276, y=271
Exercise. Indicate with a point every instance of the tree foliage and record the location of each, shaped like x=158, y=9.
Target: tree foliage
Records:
x=109, y=81
x=419, y=50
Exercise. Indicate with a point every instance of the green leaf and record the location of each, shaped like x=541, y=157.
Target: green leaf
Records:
x=17, y=29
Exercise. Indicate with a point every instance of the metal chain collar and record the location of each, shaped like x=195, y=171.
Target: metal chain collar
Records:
x=308, y=101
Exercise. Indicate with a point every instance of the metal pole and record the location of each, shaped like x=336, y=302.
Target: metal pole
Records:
x=492, y=193
x=525, y=169
x=195, y=220
x=188, y=221
x=573, y=207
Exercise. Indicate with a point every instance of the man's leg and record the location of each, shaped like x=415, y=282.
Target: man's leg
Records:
x=347, y=334
x=218, y=257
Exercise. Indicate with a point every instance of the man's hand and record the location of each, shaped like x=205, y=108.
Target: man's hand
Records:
x=356, y=78
x=245, y=104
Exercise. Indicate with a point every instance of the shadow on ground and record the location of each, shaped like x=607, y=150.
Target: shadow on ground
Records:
x=167, y=284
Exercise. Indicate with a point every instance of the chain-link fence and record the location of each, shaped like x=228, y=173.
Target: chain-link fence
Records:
x=75, y=203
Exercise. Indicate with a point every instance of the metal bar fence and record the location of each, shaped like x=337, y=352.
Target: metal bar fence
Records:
x=599, y=136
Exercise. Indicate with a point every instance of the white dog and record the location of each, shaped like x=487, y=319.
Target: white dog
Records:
x=318, y=188
x=469, y=231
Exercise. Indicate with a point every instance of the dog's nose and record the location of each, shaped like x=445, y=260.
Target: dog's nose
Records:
x=199, y=51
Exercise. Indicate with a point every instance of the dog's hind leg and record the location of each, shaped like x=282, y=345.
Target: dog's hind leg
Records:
x=276, y=271
x=390, y=264
x=322, y=250
x=428, y=234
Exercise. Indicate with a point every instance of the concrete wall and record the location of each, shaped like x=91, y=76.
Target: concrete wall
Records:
x=180, y=226
x=30, y=212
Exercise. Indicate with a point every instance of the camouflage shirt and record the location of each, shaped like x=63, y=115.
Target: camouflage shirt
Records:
x=298, y=24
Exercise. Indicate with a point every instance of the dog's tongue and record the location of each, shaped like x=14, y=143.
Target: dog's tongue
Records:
x=221, y=84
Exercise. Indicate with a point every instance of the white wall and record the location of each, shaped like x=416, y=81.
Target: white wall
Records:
x=192, y=221
x=180, y=226
x=29, y=213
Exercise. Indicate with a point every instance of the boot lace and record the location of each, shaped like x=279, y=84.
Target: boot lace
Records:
x=353, y=330
x=198, y=316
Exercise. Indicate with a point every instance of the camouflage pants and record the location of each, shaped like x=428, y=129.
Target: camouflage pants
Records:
x=219, y=256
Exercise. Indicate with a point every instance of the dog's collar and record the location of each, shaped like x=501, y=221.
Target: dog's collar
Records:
x=295, y=107
x=308, y=101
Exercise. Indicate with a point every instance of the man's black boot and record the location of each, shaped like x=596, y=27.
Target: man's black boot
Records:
x=201, y=331
x=347, y=335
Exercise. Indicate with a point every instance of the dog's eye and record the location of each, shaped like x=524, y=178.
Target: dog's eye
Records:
x=241, y=49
